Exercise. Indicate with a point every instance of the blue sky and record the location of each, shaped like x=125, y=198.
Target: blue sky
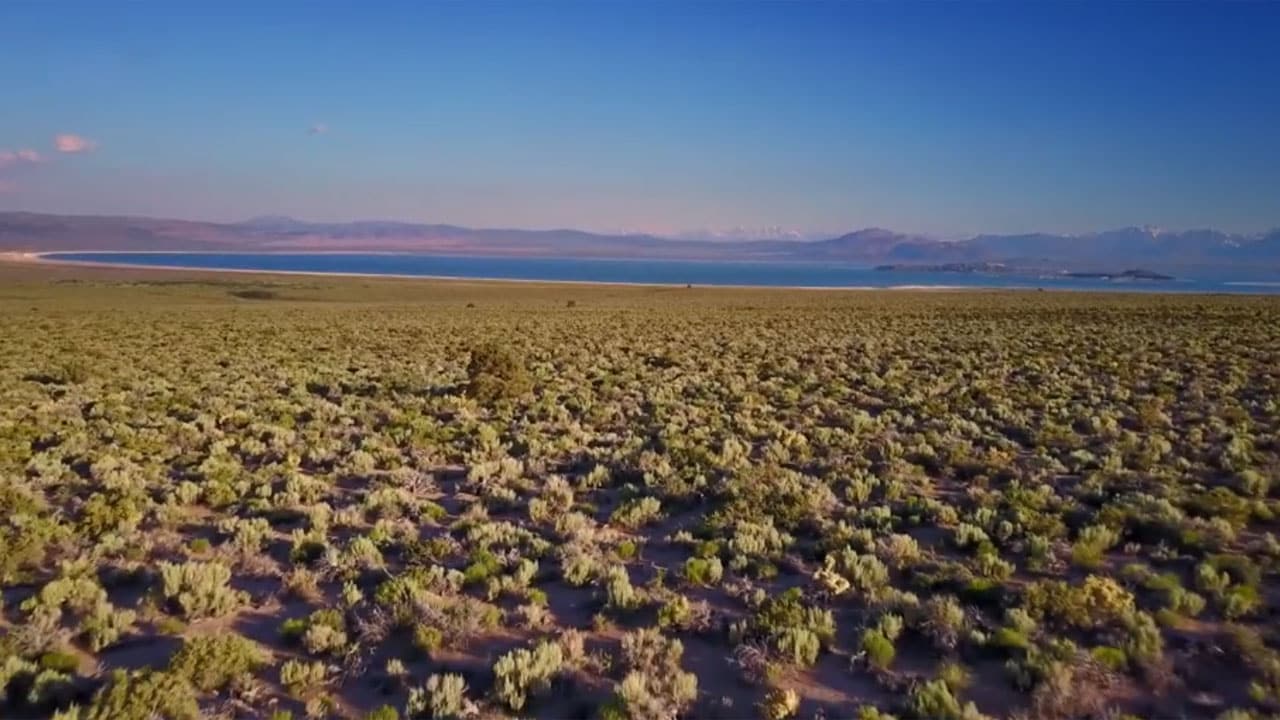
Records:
x=658, y=116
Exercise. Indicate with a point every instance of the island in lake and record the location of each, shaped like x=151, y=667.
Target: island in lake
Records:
x=1007, y=269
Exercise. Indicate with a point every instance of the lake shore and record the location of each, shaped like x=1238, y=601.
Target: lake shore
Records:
x=601, y=272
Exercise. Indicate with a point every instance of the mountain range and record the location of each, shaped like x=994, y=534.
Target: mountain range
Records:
x=1146, y=247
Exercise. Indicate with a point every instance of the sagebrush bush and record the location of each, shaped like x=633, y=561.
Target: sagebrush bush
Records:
x=933, y=700
x=795, y=630
x=523, y=672
x=301, y=678
x=212, y=662
x=703, y=571
x=637, y=512
x=619, y=593
x=879, y=649
x=143, y=695
x=780, y=704
x=1095, y=602
x=105, y=624
x=443, y=697
x=200, y=589
x=655, y=686
x=943, y=620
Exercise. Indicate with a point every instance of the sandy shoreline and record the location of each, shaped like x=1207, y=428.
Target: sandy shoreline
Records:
x=45, y=258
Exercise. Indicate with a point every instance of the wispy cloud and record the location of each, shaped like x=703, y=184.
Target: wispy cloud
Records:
x=7, y=186
x=14, y=158
x=71, y=143
x=318, y=129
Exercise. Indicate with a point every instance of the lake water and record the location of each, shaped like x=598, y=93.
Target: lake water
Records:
x=674, y=272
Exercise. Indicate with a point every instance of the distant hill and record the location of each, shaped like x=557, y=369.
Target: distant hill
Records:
x=1107, y=250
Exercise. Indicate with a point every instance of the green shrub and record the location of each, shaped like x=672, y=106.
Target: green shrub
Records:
x=655, y=686
x=427, y=639
x=1095, y=602
x=62, y=662
x=110, y=512
x=143, y=695
x=105, y=625
x=675, y=613
x=990, y=566
x=324, y=631
x=1111, y=658
x=1184, y=602
x=76, y=592
x=966, y=536
x=637, y=512
x=385, y=712
x=293, y=628
x=16, y=673
x=619, y=592
x=1091, y=545
x=50, y=688
x=933, y=700
x=706, y=572
x=1010, y=638
x=890, y=625
x=798, y=645
x=579, y=566
x=23, y=544
x=878, y=649
x=1253, y=483
x=864, y=574
x=942, y=620
x=780, y=704
x=302, y=678
x=1240, y=601
x=443, y=697
x=627, y=550
x=321, y=639
x=524, y=672
x=1143, y=641
x=496, y=373
x=213, y=662
x=954, y=675
x=794, y=629
x=200, y=589
x=484, y=565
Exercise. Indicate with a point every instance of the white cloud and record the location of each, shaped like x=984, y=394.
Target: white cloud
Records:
x=318, y=129
x=71, y=143
x=13, y=158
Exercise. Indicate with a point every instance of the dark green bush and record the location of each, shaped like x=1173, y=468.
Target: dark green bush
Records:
x=144, y=695
x=483, y=566
x=878, y=648
x=214, y=661
x=496, y=373
x=386, y=712
x=63, y=662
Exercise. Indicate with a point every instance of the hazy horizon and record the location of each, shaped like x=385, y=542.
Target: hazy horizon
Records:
x=736, y=234
x=673, y=120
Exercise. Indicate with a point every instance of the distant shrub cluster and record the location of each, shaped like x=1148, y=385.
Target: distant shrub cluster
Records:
x=255, y=294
